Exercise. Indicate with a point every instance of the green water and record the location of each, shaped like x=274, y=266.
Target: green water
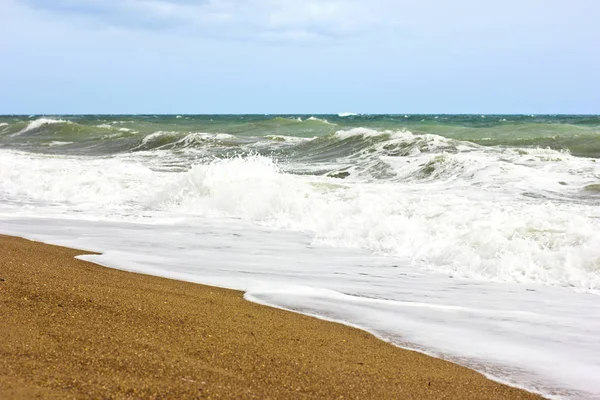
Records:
x=109, y=134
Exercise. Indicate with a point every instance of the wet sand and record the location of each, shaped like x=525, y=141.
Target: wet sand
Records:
x=73, y=329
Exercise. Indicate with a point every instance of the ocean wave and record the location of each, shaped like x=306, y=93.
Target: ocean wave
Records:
x=364, y=152
x=508, y=240
x=161, y=140
x=298, y=126
x=112, y=127
x=289, y=139
x=111, y=136
x=391, y=135
x=459, y=213
x=104, y=126
x=38, y=123
x=363, y=132
x=156, y=135
x=195, y=138
x=315, y=119
x=402, y=156
x=578, y=135
x=58, y=143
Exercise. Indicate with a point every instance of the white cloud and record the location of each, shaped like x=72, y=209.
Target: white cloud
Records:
x=398, y=23
x=298, y=20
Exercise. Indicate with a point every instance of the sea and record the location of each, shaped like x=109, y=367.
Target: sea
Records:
x=473, y=238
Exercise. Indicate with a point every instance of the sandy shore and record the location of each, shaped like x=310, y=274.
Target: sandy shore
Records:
x=72, y=329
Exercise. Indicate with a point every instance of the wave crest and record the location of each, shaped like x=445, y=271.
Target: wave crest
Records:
x=39, y=123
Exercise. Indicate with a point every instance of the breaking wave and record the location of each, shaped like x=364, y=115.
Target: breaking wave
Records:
x=441, y=220
x=40, y=123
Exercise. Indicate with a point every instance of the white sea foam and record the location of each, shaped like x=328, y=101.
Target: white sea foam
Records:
x=283, y=138
x=515, y=220
x=110, y=126
x=58, y=143
x=362, y=132
x=485, y=233
x=417, y=143
x=543, y=339
x=346, y=114
x=518, y=240
x=194, y=138
x=64, y=182
x=319, y=120
x=112, y=135
x=186, y=140
x=366, y=133
x=3, y=124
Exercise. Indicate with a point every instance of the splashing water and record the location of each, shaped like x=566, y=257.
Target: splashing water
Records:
x=479, y=229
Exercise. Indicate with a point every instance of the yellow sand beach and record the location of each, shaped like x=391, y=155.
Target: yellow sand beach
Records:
x=73, y=329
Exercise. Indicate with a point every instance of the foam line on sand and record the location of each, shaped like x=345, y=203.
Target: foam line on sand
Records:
x=73, y=329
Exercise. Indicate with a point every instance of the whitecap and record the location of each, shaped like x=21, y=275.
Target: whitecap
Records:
x=58, y=143
x=290, y=139
x=319, y=120
x=38, y=123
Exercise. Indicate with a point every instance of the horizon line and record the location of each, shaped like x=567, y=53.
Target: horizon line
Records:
x=299, y=114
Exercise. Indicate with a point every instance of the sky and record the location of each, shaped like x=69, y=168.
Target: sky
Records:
x=299, y=56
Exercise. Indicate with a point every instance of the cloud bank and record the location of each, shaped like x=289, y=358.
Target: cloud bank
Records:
x=296, y=20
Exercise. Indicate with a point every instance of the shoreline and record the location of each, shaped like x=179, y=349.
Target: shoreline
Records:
x=75, y=329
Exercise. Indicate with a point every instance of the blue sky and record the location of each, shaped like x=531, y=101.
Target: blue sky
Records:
x=299, y=56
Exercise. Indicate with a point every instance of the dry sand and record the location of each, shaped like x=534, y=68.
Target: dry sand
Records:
x=73, y=329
